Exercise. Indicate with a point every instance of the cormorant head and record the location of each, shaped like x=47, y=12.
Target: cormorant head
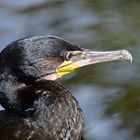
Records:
x=50, y=57
x=37, y=58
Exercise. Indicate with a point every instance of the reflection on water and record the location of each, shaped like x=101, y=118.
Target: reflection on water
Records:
x=108, y=93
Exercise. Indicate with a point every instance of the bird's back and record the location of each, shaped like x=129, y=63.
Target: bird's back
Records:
x=57, y=116
x=13, y=127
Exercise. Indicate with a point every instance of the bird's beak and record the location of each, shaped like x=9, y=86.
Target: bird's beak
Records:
x=88, y=57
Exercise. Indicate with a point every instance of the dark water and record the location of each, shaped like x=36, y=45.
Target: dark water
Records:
x=108, y=92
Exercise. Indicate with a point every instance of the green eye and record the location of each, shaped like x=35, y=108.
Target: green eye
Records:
x=68, y=56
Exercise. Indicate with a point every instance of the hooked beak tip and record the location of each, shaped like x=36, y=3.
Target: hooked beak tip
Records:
x=126, y=55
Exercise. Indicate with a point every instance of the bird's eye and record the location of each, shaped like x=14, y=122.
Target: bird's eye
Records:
x=68, y=56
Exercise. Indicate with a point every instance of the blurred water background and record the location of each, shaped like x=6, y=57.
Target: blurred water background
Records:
x=109, y=93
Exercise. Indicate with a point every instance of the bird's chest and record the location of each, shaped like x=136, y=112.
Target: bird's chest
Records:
x=59, y=122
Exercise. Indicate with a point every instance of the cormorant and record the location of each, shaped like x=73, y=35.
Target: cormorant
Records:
x=36, y=106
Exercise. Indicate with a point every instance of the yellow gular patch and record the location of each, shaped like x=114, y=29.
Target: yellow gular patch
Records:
x=65, y=68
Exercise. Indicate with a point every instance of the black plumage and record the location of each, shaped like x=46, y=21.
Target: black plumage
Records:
x=41, y=109
x=55, y=115
x=36, y=106
x=26, y=60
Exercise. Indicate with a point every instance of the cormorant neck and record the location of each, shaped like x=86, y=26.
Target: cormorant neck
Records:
x=8, y=90
x=55, y=107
